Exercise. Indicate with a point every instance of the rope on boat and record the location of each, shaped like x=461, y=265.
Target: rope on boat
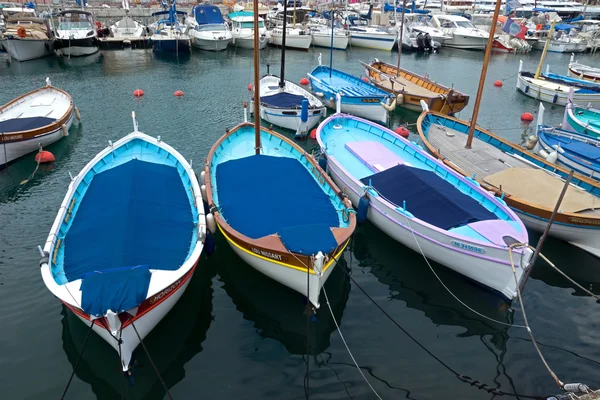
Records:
x=346, y=345
x=150, y=359
x=77, y=362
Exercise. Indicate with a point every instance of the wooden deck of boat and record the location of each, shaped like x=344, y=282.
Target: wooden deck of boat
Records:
x=409, y=87
x=482, y=159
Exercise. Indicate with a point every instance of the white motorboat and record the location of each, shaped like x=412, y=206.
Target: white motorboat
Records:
x=242, y=29
x=464, y=34
x=371, y=37
x=208, y=30
x=36, y=119
x=296, y=38
x=121, y=251
x=560, y=42
x=321, y=36
x=28, y=38
x=76, y=33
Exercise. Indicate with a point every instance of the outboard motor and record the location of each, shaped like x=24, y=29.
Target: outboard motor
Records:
x=421, y=41
x=428, y=42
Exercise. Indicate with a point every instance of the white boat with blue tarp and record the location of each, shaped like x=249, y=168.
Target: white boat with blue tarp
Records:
x=259, y=199
x=423, y=204
x=126, y=240
x=357, y=97
x=208, y=29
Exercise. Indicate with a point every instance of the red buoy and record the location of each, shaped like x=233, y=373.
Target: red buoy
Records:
x=313, y=134
x=138, y=92
x=250, y=87
x=498, y=83
x=44, y=157
x=364, y=79
x=178, y=93
x=402, y=131
x=304, y=81
x=527, y=117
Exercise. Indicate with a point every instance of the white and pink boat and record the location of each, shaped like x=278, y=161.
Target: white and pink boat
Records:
x=126, y=240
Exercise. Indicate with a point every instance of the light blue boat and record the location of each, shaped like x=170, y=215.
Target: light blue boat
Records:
x=423, y=204
x=582, y=120
x=356, y=96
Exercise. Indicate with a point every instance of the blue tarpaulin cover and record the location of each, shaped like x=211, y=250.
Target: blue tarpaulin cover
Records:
x=24, y=124
x=135, y=214
x=264, y=195
x=118, y=289
x=283, y=100
x=586, y=150
x=428, y=197
x=208, y=14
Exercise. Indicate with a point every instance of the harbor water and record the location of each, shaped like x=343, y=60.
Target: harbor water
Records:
x=236, y=334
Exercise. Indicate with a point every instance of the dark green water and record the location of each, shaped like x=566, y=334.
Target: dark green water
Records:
x=236, y=334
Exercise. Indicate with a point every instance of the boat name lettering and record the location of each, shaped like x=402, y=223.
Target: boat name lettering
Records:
x=584, y=221
x=166, y=291
x=468, y=247
x=12, y=137
x=370, y=100
x=266, y=254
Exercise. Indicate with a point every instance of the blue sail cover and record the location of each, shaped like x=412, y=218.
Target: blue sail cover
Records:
x=283, y=100
x=586, y=150
x=135, y=214
x=208, y=14
x=118, y=289
x=428, y=197
x=24, y=124
x=264, y=195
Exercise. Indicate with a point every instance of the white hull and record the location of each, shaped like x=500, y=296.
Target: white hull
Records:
x=292, y=278
x=587, y=239
x=560, y=47
x=435, y=245
x=565, y=161
x=277, y=117
x=340, y=42
x=248, y=42
x=459, y=41
x=553, y=93
x=77, y=51
x=372, y=41
x=292, y=41
x=210, y=44
x=371, y=111
x=29, y=49
x=18, y=149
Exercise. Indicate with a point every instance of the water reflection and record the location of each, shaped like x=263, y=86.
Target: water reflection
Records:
x=174, y=341
x=278, y=312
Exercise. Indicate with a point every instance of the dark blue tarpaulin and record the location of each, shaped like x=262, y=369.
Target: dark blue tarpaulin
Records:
x=135, y=214
x=117, y=290
x=428, y=197
x=24, y=124
x=264, y=195
x=283, y=100
x=207, y=14
x=586, y=150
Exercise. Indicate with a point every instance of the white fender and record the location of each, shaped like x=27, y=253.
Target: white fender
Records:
x=65, y=130
x=202, y=176
x=211, y=224
x=203, y=192
x=77, y=114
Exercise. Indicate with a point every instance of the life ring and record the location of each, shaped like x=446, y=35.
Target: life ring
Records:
x=21, y=32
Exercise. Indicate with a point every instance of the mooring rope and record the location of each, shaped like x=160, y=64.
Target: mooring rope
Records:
x=569, y=278
x=78, y=359
x=346, y=345
x=150, y=359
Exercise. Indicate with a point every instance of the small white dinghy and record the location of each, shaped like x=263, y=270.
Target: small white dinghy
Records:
x=36, y=119
x=126, y=240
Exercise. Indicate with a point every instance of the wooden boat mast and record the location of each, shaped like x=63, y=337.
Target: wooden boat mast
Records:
x=401, y=35
x=282, y=77
x=538, y=71
x=256, y=82
x=486, y=59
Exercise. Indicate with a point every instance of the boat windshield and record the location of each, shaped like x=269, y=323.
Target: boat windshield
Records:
x=211, y=27
x=70, y=25
x=464, y=24
x=261, y=24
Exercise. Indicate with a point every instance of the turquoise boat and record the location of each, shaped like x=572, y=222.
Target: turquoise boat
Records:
x=582, y=120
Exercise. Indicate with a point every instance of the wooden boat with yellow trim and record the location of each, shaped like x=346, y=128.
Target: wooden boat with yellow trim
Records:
x=35, y=119
x=527, y=182
x=278, y=210
x=413, y=88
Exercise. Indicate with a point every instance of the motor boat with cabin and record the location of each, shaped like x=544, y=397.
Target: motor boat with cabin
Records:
x=76, y=34
x=208, y=29
x=464, y=34
x=28, y=38
x=242, y=30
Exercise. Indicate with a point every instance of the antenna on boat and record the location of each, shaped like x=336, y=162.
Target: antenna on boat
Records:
x=401, y=35
x=135, y=124
x=256, y=81
x=486, y=59
x=331, y=48
x=538, y=71
x=282, y=77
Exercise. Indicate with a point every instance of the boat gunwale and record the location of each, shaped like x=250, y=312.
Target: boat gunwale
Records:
x=566, y=218
x=32, y=133
x=272, y=243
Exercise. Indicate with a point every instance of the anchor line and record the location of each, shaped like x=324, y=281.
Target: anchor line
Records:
x=78, y=359
x=150, y=359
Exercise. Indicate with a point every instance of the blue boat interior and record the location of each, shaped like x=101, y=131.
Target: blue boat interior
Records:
x=268, y=194
x=283, y=100
x=24, y=124
x=480, y=135
x=587, y=151
x=401, y=172
x=134, y=207
x=347, y=84
x=587, y=117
